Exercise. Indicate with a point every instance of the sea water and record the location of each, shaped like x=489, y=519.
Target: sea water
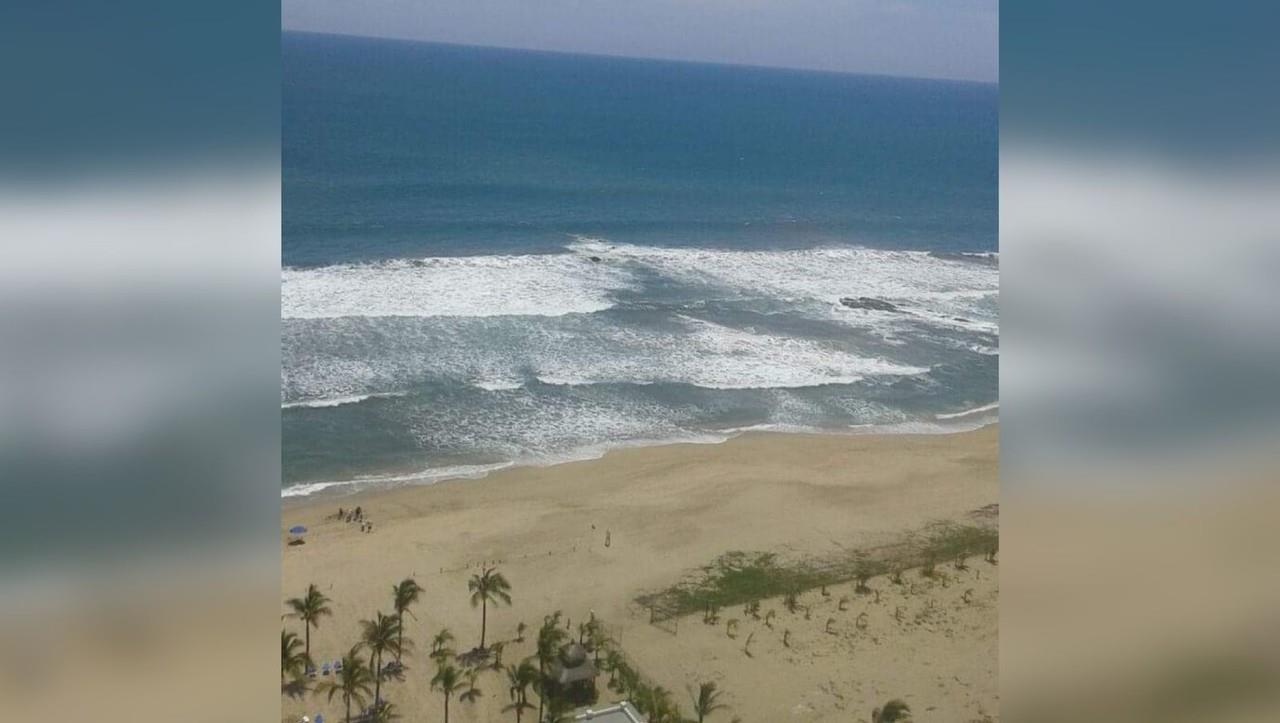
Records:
x=495, y=257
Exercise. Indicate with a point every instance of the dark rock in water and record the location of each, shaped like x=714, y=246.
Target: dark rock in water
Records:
x=866, y=302
x=595, y=259
x=961, y=319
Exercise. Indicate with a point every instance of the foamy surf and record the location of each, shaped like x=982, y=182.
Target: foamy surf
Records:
x=426, y=476
x=530, y=358
x=596, y=451
x=911, y=278
x=466, y=286
x=432, y=475
x=970, y=412
x=338, y=401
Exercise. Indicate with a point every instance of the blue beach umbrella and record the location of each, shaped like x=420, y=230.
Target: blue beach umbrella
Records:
x=297, y=530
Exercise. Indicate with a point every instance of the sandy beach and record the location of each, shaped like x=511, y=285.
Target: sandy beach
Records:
x=667, y=511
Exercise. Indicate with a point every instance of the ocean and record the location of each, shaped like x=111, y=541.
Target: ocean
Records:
x=495, y=257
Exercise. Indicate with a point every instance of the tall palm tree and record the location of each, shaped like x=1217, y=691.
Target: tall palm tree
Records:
x=895, y=711
x=550, y=637
x=379, y=635
x=488, y=587
x=707, y=701
x=352, y=682
x=448, y=680
x=309, y=609
x=293, y=662
x=403, y=596
x=519, y=678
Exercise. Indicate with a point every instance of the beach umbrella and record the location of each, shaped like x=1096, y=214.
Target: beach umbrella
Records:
x=297, y=530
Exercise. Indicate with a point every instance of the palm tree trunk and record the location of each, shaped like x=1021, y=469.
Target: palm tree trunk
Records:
x=399, y=635
x=377, y=681
x=446, y=708
x=484, y=620
x=347, y=698
x=542, y=689
x=308, y=649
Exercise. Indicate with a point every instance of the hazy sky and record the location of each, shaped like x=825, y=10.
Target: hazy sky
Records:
x=924, y=38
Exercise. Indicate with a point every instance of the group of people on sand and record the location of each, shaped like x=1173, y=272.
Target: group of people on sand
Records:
x=356, y=515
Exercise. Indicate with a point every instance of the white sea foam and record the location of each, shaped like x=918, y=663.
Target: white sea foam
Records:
x=529, y=285
x=425, y=476
x=497, y=385
x=819, y=273
x=714, y=356
x=480, y=471
x=929, y=288
x=598, y=450
x=969, y=412
x=338, y=401
x=503, y=355
x=765, y=321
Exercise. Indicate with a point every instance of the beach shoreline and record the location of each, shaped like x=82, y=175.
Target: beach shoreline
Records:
x=590, y=537
x=352, y=489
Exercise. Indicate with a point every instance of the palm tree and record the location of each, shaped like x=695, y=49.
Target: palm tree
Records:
x=403, y=596
x=613, y=662
x=519, y=678
x=664, y=709
x=894, y=711
x=352, y=682
x=559, y=711
x=379, y=635
x=292, y=661
x=596, y=638
x=656, y=703
x=384, y=712
x=440, y=645
x=707, y=701
x=472, y=693
x=629, y=679
x=309, y=608
x=550, y=637
x=448, y=680
x=489, y=586
x=518, y=705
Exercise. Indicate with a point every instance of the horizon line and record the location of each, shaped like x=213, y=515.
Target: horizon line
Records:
x=756, y=66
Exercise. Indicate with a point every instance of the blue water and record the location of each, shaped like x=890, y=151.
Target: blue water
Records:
x=496, y=256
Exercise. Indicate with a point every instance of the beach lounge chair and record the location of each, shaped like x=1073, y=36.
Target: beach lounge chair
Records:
x=311, y=671
x=337, y=666
x=324, y=669
x=319, y=718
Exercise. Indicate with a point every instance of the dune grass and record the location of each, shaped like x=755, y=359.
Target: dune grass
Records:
x=739, y=578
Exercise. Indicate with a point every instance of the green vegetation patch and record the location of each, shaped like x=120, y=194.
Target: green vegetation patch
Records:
x=738, y=577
